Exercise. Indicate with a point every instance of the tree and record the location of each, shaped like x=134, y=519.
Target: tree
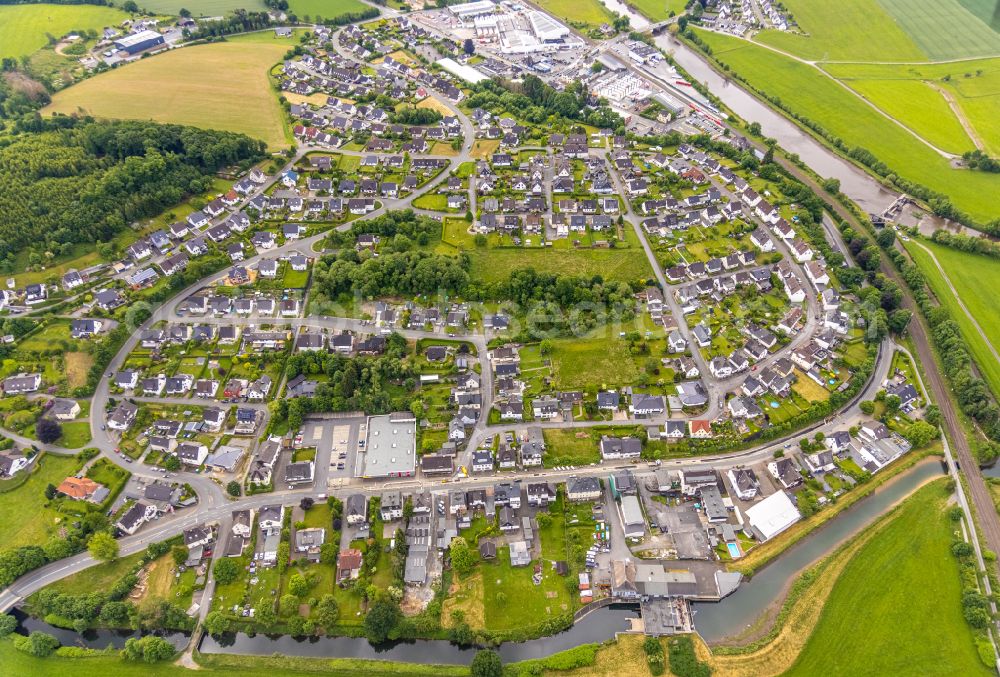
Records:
x=148, y=649
x=298, y=585
x=462, y=556
x=184, y=12
x=216, y=623
x=39, y=644
x=469, y=47
x=306, y=503
x=47, y=430
x=381, y=620
x=233, y=488
x=7, y=624
x=171, y=463
x=920, y=433
x=867, y=407
x=328, y=553
x=130, y=6
x=486, y=664
x=103, y=546
x=51, y=491
x=327, y=611
x=288, y=604
x=179, y=554
x=226, y=570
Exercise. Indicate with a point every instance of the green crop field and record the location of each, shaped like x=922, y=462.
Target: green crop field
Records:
x=24, y=28
x=817, y=97
x=920, y=107
x=943, y=29
x=201, y=7
x=899, y=580
x=976, y=279
x=327, y=9
x=590, y=12
x=220, y=86
x=973, y=85
x=985, y=10
x=886, y=30
x=855, y=30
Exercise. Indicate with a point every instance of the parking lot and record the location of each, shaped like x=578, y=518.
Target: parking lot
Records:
x=336, y=442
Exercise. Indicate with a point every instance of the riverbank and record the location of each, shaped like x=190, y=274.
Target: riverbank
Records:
x=765, y=553
x=864, y=583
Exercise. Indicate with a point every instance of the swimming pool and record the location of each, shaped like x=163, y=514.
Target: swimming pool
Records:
x=734, y=550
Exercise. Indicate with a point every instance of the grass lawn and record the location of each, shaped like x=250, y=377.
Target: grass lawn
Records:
x=809, y=389
x=75, y=434
x=23, y=28
x=511, y=598
x=658, y=10
x=590, y=12
x=28, y=520
x=326, y=9
x=817, y=97
x=974, y=278
x=164, y=583
x=231, y=91
x=570, y=447
x=213, y=665
x=202, y=7
x=945, y=29
x=905, y=575
x=484, y=148
x=98, y=577
x=432, y=201
x=623, y=264
x=605, y=362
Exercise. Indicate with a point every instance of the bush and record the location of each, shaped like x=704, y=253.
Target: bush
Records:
x=486, y=664
x=38, y=644
x=148, y=649
x=683, y=661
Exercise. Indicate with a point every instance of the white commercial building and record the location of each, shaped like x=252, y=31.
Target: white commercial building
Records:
x=467, y=73
x=471, y=10
x=772, y=515
x=390, y=450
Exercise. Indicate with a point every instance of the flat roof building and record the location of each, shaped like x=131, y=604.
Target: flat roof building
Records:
x=772, y=515
x=390, y=449
x=137, y=42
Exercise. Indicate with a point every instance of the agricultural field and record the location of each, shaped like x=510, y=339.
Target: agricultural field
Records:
x=879, y=590
x=854, y=30
x=973, y=87
x=886, y=30
x=945, y=29
x=231, y=92
x=920, y=107
x=326, y=9
x=843, y=114
x=24, y=29
x=589, y=12
x=975, y=278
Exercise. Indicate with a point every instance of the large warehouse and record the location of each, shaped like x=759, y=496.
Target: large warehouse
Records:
x=391, y=447
x=137, y=42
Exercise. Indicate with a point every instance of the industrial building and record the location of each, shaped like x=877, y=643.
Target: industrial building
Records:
x=138, y=42
x=391, y=446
